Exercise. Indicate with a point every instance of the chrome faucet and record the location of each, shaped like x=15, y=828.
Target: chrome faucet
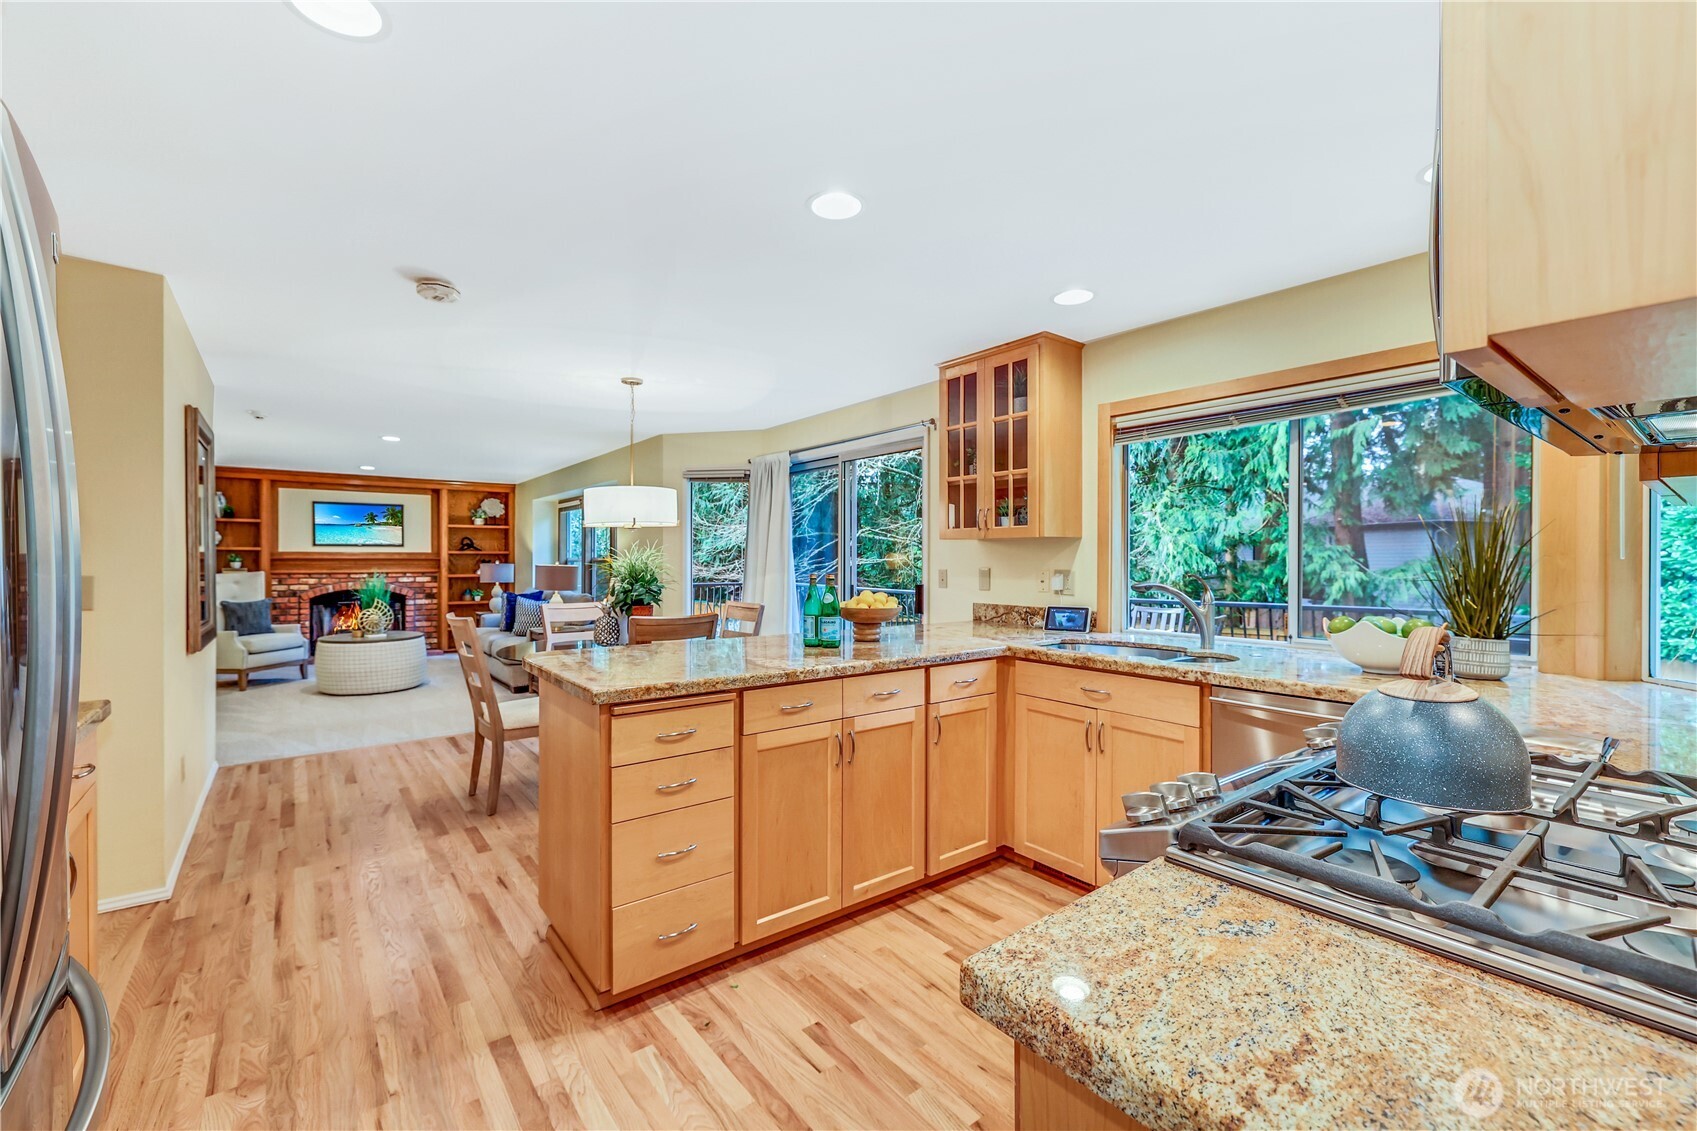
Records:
x=1202, y=614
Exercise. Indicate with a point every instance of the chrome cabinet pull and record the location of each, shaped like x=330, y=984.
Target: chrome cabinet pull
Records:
x=802, y=706
x=1091, y=690
x=1102, y=737
x=1087, y=726
x=684, y=733
x=966, y=682
x=839, y=760
x=852, y=744
x=83, y=771
x=676, y=785
x=938, y=737
x=676, y=934
x=886, y=694
x=674, y=852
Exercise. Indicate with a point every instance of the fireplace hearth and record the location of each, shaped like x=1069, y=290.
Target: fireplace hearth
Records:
x=321, y=611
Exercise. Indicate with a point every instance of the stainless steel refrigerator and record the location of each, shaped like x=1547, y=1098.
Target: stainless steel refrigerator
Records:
x=42, y=989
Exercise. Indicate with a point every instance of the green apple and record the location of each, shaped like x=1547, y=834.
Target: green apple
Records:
x=1413, y=623
x=1340, y=624
x=1383, y=624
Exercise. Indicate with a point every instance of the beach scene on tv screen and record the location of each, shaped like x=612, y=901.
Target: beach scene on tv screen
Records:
x=356, y=524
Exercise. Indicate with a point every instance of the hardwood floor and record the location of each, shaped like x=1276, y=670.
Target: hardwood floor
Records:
x=354, y=944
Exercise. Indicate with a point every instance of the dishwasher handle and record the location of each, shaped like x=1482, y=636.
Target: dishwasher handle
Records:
x=1275, y=710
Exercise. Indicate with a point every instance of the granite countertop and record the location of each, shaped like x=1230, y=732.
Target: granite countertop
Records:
x=1192, y=1003
x=92, y=711
x=1657, y=726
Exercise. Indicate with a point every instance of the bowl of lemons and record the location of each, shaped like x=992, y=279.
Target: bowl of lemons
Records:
x=1373, y=643
x=869, y=610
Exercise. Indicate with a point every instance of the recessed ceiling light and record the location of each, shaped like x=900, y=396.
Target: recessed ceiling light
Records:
x=1074, y=296
x=1427, y=172
x=835, y=205
x=366, y=467
x=356, y=19
x=391, y=439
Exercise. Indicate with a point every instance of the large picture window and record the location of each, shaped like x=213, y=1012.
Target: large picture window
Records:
x=1673, y=591
x=583, y=546
x=717, y=539
x=861, y=517
x=1296, y=520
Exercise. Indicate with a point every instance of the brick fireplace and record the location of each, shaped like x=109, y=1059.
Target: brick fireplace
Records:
x=292, y=591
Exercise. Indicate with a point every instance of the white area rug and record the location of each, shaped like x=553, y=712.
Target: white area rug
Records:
x=281, y=715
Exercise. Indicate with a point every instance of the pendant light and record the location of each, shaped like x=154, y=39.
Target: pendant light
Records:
x=632, y=507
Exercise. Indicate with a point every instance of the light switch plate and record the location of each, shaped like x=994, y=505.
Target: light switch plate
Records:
x=942, y=579
x=983, y=577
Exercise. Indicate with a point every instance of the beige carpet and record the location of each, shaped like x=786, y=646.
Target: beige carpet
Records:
x=281, y=715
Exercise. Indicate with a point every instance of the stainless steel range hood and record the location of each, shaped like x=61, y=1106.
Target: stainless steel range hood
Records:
x=1615, y=429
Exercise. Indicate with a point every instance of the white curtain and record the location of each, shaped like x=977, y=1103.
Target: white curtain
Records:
x=769, y=575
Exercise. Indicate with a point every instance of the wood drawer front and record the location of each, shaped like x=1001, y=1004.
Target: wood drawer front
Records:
x=772, y=708
x=672, y=850
x=664, y=784
x=655, y=936
x=680, y=730
x=884, y=691
x=963, y=681
x=1158, y=699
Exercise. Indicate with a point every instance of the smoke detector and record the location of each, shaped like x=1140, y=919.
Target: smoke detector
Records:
x=436, y=290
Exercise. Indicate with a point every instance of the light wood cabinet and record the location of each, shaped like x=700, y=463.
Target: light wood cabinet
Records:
x=1132, y=753
x=792, y=827
x=1011, y=435
x=960, y=790
x=1054, y=784
x=1566, y=238
x=883, y=801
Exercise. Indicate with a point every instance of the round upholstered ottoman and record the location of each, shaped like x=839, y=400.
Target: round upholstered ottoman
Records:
x=369, y=665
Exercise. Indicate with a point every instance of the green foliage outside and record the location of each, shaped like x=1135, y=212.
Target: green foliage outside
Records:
x=1676, y=560
x=718, y=531
x=889, y=493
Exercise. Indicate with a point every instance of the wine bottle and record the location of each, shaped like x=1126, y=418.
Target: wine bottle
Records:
x=830, y=615
x=810, y=613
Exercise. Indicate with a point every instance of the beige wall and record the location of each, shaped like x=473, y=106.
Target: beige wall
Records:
x=131, y=365
x=1378, y=308
x=294, y=519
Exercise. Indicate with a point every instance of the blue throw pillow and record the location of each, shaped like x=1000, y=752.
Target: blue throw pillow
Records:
x=247, y=618
x=509, y=603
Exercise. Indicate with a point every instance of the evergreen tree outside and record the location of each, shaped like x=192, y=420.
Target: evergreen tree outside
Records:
x=1675, y=549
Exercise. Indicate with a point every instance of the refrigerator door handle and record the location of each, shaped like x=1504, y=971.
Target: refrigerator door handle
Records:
x=90, y=1005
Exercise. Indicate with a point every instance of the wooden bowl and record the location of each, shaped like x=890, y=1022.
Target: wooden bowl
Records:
x=867, y=622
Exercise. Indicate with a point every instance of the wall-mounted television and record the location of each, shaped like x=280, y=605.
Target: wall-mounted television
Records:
x=358, y=524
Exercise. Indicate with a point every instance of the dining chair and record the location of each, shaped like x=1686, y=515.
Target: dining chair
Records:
x=568, y=623
x=741, y=618
x=493, y=720
x=646, y=630
x=1146, y=618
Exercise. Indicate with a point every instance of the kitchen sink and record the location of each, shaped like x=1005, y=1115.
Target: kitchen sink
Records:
x=1140, y=652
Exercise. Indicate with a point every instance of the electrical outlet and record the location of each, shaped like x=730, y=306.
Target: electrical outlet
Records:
x=1060, y=580
x=1043, y=582
x=984, y=577
x=942, y=579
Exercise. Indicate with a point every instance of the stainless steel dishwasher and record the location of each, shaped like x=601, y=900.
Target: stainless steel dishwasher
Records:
x=1254, y=726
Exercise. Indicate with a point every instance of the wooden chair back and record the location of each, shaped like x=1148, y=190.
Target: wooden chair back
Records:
x=568, y=623
x=646, y=630
x=474, y=667
x=1145, y=618
x=741, y=618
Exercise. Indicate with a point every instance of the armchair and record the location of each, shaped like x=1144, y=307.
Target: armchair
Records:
x=242, y=655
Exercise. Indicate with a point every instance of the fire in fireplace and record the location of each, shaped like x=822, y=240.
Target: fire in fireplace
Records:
x=322, y=609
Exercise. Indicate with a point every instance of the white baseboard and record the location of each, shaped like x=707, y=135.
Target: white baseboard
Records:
x=155, y=895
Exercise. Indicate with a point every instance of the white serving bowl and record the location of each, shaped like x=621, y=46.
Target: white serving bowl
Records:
x=1368, y=648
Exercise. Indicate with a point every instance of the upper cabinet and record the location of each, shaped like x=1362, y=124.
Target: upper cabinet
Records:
x=1012, y=429
x=1565, y=242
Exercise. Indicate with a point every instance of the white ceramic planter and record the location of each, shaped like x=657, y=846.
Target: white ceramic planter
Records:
x=1479, y=659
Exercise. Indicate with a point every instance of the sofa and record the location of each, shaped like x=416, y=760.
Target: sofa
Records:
x=506, y=651
x=242, y=655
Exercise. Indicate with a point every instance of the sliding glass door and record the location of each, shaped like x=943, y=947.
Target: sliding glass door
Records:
x=861, y=517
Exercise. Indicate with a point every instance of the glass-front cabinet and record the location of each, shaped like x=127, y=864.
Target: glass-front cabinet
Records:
x=1011, y=441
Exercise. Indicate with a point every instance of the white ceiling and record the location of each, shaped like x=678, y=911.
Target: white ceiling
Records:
x=623, y=189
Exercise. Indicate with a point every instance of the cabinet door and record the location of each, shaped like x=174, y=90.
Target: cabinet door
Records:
x=792, y=827
x=1134, y=753
x=960, y=786
x=1011, y=437
x=1054, y=762
x=883, y=802
x=963, y=501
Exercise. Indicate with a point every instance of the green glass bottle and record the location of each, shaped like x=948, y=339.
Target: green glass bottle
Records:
x=810, y=613
x=830, y=615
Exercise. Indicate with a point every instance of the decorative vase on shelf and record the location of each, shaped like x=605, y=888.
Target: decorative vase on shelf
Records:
x=607, y=632
x=1479, y=659
x=376, y=619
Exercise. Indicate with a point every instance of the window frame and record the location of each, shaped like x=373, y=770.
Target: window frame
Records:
x=1120, y=535
x=690, y=479
x=848, y=520
x=1650, y=656
x=588, y=570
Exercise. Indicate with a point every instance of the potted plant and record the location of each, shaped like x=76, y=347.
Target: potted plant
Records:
x=375, y=615
x=971, y=460
x=1478, y=577
x=235, y=561
x=1001, y=512
x=637, y=578
x=478, y=514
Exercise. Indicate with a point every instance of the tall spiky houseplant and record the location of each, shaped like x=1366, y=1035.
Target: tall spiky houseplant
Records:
x=1477, y=575
x=376, y=614
x=637, y=578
